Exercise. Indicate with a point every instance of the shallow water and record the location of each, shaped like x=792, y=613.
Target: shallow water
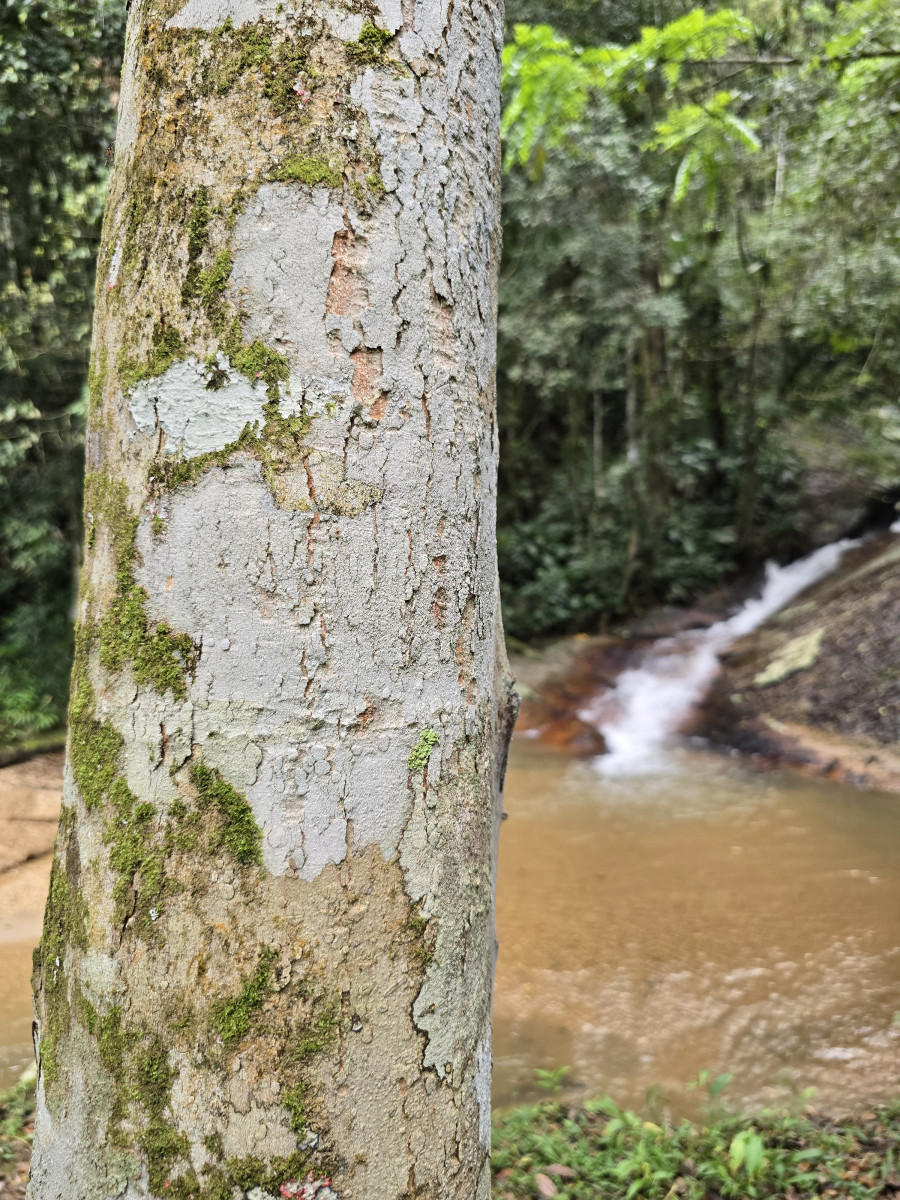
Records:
x=712, y=918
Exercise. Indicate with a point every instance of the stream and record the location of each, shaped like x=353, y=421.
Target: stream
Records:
x=661, y=910
x=707, y=918
x=665, y=911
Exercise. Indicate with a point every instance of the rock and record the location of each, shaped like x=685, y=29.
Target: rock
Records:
x=818, y=685
x=545, y=1185
x=799, y=654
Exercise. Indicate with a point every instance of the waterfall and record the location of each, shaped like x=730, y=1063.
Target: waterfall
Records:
x=652, y=700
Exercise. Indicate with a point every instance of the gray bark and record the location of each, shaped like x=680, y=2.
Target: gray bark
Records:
x=267, y=955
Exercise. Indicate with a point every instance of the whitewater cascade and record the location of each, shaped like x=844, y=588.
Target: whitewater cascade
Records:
x=651, y=701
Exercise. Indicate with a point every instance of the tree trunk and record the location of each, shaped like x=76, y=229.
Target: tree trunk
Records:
x=267, y=953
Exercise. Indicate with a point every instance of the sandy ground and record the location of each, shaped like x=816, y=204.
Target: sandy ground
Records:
x=29, y=810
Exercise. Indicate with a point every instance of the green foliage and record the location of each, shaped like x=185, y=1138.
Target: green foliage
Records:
x=232, y=1019
x=56, y=57
x=238, y=831
x=549, y=82
x=421, y=752
x=16, y=1117
x=672, y=338
x=615, y=1153
x=553, y=1081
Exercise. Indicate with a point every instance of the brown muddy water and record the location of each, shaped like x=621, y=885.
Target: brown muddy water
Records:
x=708, y=918
x=651, y=927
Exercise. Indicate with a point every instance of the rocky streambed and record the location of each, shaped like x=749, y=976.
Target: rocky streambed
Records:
x=816, y=686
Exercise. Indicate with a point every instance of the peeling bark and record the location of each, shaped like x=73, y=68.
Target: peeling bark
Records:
x=267, y=954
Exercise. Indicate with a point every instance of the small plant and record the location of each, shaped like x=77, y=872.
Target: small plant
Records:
x=553, y=1081
x=746, y=1153
x=712, y=1087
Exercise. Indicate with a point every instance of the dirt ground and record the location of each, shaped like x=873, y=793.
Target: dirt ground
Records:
x=29, y=810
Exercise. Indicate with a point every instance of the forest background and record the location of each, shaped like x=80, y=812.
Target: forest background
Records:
x=699, y=323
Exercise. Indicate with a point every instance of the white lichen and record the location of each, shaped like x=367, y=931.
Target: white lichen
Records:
x=187, y=416
x=115, y=266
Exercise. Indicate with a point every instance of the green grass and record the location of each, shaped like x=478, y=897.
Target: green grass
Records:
x=609, y=1154
x=16, y=1120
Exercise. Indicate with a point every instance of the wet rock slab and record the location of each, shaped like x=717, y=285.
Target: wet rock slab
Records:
x=818, y=685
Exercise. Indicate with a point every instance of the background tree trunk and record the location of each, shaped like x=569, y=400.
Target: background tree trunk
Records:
x=268, y=944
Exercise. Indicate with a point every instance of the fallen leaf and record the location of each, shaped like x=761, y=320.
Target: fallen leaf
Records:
x=545, y=1186
x=559, y=1169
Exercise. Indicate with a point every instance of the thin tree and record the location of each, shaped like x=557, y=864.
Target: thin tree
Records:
x=267, y=955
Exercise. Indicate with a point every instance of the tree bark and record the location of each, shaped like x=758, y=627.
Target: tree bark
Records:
x=267, y=953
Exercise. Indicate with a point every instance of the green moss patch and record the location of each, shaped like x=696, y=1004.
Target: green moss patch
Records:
x=65, y=922
x=93, y=747
x=238, y=830
x=65, y=925
x=138, y=862
x=301, y=168
x=369, y=47
x=255, y=359
x=278, y=444
x=232, y=1019
x=421, y=944
x=421, y=752
x=198, y=224
x=167, y=346
x=209, y=286
x=317, y=1038
x=159, y=656
x=162, y=1144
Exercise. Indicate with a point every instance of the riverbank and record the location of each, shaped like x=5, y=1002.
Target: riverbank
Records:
x=817, y=687
x=599, y=1152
